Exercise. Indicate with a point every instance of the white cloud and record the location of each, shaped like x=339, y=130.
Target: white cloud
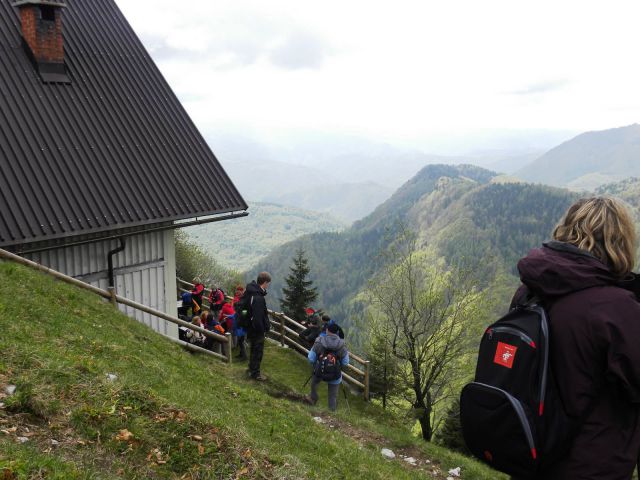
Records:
x=401, y=69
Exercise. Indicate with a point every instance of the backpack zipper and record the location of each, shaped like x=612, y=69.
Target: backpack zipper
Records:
x=514, y=331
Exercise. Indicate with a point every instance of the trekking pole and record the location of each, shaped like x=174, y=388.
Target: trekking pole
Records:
x=305, y=383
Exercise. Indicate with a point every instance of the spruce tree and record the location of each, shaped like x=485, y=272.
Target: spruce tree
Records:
x=298, y=294
x=450, y=434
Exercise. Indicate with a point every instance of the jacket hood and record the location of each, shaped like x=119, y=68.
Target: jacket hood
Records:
x=559, y=268
x=332, y=342
x=254, y=289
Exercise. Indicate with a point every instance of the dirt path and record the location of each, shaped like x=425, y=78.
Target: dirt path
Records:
x=411, y=457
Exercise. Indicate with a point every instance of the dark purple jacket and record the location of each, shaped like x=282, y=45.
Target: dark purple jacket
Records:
x=595, y=356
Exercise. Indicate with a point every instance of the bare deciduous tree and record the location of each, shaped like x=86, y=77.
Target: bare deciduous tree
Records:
x=429, y=310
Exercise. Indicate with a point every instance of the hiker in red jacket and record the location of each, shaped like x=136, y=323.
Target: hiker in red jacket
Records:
x=239, y=333
x=196, y=296
x=216, y=300
x=226, y=315
x=584, y=279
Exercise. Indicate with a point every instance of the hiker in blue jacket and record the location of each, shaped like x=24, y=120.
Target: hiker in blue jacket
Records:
x=326, y=321
x=328, y=355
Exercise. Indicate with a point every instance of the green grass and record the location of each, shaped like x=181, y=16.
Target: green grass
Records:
x=170, y=413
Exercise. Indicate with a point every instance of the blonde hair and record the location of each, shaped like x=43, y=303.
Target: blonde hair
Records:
x=604, y=227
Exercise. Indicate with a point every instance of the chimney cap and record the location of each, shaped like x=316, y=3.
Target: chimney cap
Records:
x=51, y=3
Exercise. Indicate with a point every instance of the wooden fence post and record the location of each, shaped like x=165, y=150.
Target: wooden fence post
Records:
x=281, y=317
x=113, y=300
x=366, y=380
x=229, y=348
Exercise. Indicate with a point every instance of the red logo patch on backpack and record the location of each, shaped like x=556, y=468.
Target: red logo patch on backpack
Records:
x=505, y=354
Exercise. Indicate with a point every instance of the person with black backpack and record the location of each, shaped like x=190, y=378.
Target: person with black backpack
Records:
x=254, y=317
x=328, y=355
x=557, y=387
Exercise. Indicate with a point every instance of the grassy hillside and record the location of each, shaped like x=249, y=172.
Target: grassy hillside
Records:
x=240, y=243
x=100, y=396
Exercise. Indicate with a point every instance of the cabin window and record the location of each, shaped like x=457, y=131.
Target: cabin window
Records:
x=48, y=13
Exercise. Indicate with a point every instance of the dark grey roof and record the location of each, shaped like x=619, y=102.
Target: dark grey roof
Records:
x=112, y=149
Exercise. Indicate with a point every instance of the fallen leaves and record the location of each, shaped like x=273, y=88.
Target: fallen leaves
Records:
x=155, y=456
x=243, y=471
x=124, y=436
x=177, y=415
x=8, y=474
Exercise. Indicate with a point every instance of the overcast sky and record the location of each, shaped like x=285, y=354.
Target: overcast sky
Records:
x=400, y=70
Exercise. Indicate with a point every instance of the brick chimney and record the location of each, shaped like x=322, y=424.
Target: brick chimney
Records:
x=42, y=33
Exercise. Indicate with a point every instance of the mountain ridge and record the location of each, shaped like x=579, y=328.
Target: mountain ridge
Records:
x=612, y=154
x=456, y=210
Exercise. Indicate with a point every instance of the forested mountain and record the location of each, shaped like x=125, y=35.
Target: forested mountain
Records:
x=456, y=210
x=239, y=244
x=627, y=189
x=589, y=160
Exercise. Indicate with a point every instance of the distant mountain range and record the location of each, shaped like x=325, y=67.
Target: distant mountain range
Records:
x=588, y=160
x=460, y=211
x=345, y=201
x=464, y=213
x=348, y=178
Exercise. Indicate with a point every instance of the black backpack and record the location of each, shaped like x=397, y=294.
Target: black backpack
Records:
x=511, y=415
x=243, y=310
x=327, y=367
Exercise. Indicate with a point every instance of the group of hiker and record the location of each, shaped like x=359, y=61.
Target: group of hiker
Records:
x=245, y=316
x=219, y=318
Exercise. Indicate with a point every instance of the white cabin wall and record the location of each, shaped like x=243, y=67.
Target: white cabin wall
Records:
x=144, y=272
x=170, y=284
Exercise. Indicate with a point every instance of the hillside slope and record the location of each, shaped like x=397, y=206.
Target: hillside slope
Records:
x=589, y=160
x=100, y=396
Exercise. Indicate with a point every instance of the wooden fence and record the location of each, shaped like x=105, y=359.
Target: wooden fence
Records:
x=117, y=299
x=287, y=331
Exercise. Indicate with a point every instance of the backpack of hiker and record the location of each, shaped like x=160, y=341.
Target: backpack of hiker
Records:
x=244, y=314
x=511, y=415
x=327, y=367
x=187, y=303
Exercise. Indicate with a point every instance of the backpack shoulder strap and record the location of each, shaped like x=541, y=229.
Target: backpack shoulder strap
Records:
x=525, y=298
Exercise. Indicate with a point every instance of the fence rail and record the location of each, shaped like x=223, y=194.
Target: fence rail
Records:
x=115, y=299
x=285, y=334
